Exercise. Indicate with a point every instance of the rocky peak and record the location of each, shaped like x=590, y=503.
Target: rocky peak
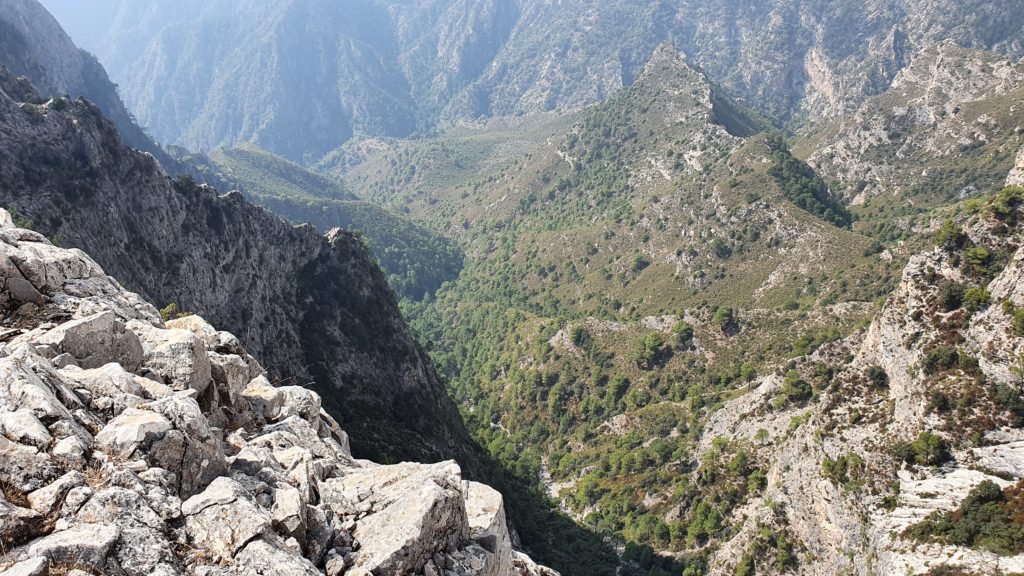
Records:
x=134, y=446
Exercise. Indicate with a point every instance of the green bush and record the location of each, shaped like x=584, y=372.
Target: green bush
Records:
x=877, y=376
x=682, y=335
x=950, y=295
x=939, y=359
x=989, y=519
x=950, y=237
x=724, y=317
x=795, y=389
x=926, y=450
x=976, y=299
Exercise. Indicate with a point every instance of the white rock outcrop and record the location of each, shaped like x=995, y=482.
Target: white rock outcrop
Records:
x=130, y=446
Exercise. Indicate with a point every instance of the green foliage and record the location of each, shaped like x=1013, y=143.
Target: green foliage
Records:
x=724, y=317
x=648, y=350
x=170, y=312
x=976, y=260
x=976, y=298
x=803, y=187
x=940, y=358
x=877, y=376
x=1004, y=206
x=989, y=519
x=950, y=237
x=950, y=295
x=795, y=389
x=682, y=335
x=846, y=470
x=926, y=450
x=416, y=260
x=745, y=567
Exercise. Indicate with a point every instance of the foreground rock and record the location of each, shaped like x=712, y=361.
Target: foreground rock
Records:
x=133, y=447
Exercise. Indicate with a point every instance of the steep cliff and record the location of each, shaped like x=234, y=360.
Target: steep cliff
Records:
x=392, y=68
x=313, y=308
x=131, y=446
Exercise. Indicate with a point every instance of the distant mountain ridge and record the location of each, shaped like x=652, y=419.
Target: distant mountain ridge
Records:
x=301, y=78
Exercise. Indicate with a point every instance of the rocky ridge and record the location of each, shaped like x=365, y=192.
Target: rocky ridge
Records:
x=315, y=308
x=885, y=396
x=135, y=446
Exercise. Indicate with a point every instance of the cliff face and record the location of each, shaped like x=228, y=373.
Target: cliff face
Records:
x=392, y=68
x=135, y=447
x=311, y=307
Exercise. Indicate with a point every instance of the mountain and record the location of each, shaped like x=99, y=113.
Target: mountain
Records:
x=416, y=259
x=134, y=446
x=948, y=102
x=394, y=68
x=629, y=272
x=32, y=44
x=314, y=308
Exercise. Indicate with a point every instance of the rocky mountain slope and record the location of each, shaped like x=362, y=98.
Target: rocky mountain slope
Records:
x=390, y=68
x=923, y=412
x=314, y=308
x=950, y=102
x=132, y=446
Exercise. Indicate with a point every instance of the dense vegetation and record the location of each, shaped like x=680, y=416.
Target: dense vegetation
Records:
x=990, y=518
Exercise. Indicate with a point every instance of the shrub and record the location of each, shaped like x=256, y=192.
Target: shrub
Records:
x=877, y=376
x=976, y=299
x=794, y=388
x=171, y=312
x=976, y=260
x=939, y=359
x=724, y=317
x=647, y=350
x=950, y=296
x=926, y=450
x=1007, y=201
x=682, y=334
x=988, y=519
x=950, y=237
x=844, y=470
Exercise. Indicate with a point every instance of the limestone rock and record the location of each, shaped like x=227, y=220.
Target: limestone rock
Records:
x=1016, y=176
x=22, y=426
x=178, y=356
x=222, y=519
x=37, y=566
x=265, y=559
x=264, y=399
x=97, y=340
x=79, y=545
x=132, y=429
x=133, y=426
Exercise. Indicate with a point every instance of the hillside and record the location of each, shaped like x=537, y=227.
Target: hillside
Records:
x=416, y=259
x=643, y=261
x=298, y=300
x=393, y=68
